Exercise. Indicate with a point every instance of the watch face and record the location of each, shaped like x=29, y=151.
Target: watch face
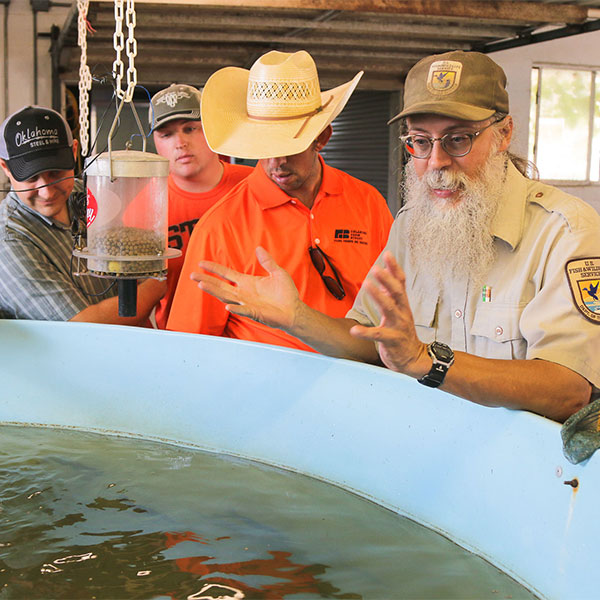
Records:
x=442, y=351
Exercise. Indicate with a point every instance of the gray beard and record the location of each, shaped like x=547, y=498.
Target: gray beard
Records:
x=447, y=239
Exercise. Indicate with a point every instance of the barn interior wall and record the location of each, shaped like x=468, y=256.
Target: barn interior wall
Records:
x=20, y=82
x=18, y=86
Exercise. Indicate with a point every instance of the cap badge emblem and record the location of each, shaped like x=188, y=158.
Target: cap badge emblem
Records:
x=444, y=77
x=171, y=98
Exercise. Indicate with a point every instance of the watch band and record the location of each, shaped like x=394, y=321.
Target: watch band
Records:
x=442, y=357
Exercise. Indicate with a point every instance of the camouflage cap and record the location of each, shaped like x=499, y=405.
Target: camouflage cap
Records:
x=178, y=101
x=462, y=85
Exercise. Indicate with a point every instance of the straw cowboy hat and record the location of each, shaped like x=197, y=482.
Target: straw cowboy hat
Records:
x=274, y=109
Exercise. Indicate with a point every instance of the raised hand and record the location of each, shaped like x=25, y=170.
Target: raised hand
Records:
x=396, y=338
x=271, y=299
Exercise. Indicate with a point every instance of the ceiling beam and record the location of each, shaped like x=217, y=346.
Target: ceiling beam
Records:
x=478, y=9
x=339, y=62
x=227, y=22
x=158, y=37
x=158, y=76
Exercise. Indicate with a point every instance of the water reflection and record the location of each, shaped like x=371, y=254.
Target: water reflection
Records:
x=133, y=565
x=89, y=516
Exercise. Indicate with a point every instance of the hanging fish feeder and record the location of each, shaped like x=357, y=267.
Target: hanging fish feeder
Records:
x=127, y=208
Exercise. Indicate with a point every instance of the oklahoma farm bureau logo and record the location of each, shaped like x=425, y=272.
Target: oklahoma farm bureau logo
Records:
x=352, y=236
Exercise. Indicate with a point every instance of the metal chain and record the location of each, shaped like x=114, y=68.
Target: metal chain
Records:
x=85, y=76
x=130, y=49
x=119, y=45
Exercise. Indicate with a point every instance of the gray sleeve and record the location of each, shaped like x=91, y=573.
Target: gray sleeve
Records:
x=33, y=287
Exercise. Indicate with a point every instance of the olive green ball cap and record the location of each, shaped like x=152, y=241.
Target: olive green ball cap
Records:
x=461, y=85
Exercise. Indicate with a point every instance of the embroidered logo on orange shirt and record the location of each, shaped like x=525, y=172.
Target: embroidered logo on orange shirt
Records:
x=353, y=236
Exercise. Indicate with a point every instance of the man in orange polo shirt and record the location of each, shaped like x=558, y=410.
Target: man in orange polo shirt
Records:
x=197, y=177
x=325, y=226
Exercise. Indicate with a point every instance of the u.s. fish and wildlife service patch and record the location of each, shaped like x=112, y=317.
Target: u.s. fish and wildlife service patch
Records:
x=583, y=275
x=444, y=77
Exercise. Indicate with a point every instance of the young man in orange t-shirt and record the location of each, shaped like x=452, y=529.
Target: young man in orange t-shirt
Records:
x=197, y=176
x=325, y=226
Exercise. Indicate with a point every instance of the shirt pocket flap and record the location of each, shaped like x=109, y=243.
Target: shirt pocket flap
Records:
x=423, y=310
x=497, y=322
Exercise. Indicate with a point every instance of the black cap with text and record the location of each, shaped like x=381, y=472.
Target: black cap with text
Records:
x=36, y=139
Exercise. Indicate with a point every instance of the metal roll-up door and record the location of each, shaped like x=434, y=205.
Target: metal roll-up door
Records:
x=360, y=141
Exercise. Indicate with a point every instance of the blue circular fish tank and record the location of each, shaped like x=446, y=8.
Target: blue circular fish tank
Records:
x=492, y=480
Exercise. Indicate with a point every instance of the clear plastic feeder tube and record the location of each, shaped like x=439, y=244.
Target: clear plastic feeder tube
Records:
x=127, y=210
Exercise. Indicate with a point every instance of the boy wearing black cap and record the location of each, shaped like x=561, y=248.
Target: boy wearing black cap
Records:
x=37, y=154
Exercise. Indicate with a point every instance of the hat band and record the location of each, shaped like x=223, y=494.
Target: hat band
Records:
x=307, y=116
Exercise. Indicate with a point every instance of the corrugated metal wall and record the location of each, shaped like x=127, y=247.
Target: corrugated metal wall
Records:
x=360, y=144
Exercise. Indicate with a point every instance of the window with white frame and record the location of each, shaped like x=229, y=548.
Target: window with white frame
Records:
x=564, y=123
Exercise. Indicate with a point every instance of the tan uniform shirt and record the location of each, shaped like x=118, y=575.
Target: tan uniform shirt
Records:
x=530, y=310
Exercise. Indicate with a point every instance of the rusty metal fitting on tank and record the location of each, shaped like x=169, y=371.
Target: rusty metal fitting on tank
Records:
x=574, y=483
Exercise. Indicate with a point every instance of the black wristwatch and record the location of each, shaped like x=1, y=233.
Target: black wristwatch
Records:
x=442, y=357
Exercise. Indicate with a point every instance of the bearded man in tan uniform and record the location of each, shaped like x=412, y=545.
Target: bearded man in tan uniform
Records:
x=486, y=286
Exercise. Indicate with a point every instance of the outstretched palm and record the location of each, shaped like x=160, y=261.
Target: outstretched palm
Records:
x=396, y=338
x=271, y=299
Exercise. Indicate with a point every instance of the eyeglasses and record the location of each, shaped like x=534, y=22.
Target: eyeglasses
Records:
x=321, y=262
x=454, y=144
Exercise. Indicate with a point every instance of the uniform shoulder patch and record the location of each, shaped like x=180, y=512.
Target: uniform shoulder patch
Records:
x=583, y=275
